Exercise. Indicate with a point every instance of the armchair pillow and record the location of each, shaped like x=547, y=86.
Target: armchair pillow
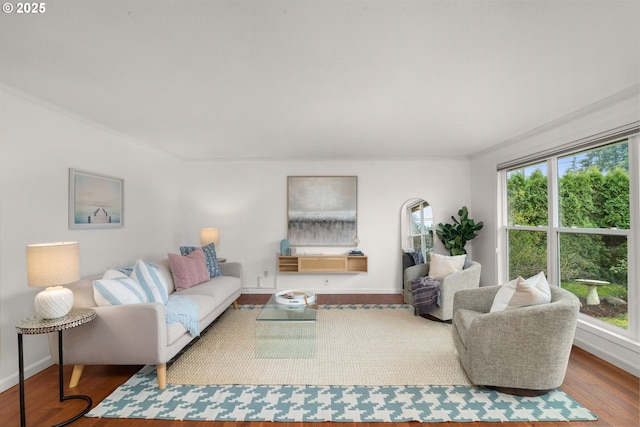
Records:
x=520, y=293
x=443, y=265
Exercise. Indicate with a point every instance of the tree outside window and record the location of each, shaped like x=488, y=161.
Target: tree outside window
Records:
x=593, y=226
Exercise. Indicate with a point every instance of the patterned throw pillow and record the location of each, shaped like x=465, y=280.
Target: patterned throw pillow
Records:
x=209, y=255
x=116, y=288
x=152, y=281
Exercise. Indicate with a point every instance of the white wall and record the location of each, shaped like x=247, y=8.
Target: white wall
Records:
x=248, y=202
x=167, y=201
x=38, y=145
x=619, y=110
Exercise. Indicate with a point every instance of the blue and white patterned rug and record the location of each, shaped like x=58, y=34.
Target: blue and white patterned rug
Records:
x=140, y=398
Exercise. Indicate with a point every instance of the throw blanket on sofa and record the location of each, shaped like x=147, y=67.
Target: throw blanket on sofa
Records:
x=182, y=309
x=426, y=295
x=417, y=257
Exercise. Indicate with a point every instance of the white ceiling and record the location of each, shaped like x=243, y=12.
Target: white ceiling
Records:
x=322, y=79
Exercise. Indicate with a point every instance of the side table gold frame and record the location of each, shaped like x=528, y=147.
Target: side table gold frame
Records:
x=36, y=325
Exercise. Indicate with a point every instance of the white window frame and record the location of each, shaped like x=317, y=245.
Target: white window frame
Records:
x=553, y=231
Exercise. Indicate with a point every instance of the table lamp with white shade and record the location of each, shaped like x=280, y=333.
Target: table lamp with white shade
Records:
x=209, y=235
x=51, y=265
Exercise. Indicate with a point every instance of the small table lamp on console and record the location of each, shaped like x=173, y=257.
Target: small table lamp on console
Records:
x=209, y=235
x=51, y=265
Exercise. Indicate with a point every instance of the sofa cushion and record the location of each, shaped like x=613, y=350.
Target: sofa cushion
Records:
x=534, y=290
x=188, y=270
x=152, y=281
x=205, y=306
x=210, y=257
x=443, y=265
x=220, y=288
x=116, y=288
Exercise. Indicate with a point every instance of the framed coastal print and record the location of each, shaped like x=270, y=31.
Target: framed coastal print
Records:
x=322, y=210
x=95, y=201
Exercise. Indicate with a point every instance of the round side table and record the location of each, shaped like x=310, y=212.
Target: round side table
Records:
x=36, y=325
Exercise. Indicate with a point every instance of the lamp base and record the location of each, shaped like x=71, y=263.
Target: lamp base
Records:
x=53, y=302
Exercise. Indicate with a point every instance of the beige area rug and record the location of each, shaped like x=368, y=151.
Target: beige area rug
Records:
x=355, y=345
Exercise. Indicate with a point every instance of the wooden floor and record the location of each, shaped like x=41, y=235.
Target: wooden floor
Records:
x=609, y=392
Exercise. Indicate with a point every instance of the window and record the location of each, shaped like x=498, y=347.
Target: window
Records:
x=594, y=225
x=527, y=220
x=570, y=216
x=422, y=228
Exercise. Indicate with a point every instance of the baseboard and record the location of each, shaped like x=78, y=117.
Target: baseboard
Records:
x=619, y=351
x=11, y=380
x=319, y=291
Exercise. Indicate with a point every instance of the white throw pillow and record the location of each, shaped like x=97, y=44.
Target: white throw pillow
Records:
x=507, y=292
x=443, y=265
x=526, y=294
x=116, y=288
x=503, y=296
x=540, y=282
x=152, y=281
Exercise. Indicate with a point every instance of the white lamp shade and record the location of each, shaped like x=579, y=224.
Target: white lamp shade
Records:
x=51, y=264
x=209, y=235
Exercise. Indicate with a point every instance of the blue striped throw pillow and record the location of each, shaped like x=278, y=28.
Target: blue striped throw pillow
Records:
x=152, y=280
x=116, y=288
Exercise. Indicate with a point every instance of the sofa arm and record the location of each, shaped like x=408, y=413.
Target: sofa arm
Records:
x=119, y=335
x=231, y=269
x=476, y=299
x=464, y=279
x=414, y=272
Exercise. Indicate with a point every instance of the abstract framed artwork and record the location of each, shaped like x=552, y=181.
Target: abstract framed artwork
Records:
x=322, y=210
x=95, y=201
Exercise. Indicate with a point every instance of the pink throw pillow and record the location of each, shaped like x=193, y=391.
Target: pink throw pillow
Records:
x=189, y=270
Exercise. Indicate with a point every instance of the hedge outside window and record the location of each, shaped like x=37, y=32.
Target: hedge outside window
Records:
x=574, y=211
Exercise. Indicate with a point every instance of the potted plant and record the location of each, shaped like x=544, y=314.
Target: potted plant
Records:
x=455, y=236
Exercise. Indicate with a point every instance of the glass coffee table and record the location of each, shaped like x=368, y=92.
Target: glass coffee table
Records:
x=286, y=332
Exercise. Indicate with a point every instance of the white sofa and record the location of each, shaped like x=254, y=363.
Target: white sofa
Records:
x=138, y=334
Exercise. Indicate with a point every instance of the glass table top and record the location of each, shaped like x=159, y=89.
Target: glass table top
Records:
x=274, y=312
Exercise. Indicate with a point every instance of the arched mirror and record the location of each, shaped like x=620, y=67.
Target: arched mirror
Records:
x=416, y=225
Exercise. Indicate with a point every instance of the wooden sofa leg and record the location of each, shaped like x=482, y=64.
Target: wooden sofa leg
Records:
x=161, y=368
x=75, y=375
x=235, y=305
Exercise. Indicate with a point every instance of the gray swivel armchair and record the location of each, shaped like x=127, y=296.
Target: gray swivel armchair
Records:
x=468, y=278
x=522, y=350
